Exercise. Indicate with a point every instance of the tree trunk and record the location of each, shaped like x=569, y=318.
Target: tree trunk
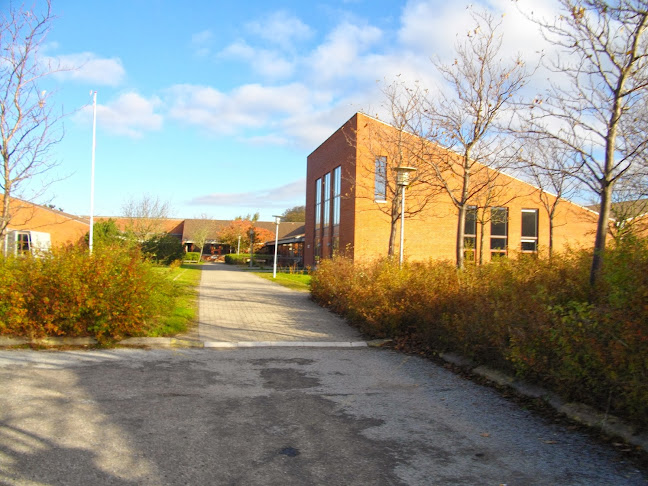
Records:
x=4, y=219
x=551, y=233
x=481, y=243
x=461, y=226
x=601, y=234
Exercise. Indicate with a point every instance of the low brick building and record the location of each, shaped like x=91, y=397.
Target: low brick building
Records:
x=350, y=191
x=27, y=219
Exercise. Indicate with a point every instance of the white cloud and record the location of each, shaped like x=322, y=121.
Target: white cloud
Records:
x=201, y=42
x=339, y=55
x=341, y=75
x=88, y=67
x=433, y=30
x=246, y=107
x=280, y=28
x=279, y=197
x=202, y=37
x=271, y=64
x=130, y=114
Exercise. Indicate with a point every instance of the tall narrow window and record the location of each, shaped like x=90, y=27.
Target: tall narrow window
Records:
x=470, y=233
x=318, y=203
x=337, y=191
x=327, y=200
x=317, y=244
x=499, y=231
x=22, y=243
x=529, y=230
x=380, y=189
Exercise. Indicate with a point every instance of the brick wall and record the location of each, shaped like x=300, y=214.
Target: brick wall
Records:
x=337, y=151
x=63, y=228
x=431, y=232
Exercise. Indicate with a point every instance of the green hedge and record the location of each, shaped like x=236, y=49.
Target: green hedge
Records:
x=533, y=317
x=164, y=249
x=244, y=258
x=110, y=294
x=192, y=256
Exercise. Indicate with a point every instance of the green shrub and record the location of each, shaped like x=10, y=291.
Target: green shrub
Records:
x=535, y=317
x=192, y=256
x=105, y=233
x=244, y=258
x=163, y=249
x=110, y=294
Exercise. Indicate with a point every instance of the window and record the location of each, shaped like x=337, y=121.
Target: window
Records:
x=337, y=190
x=529, y=230
x=470, y=233
x=499, y=231
x=317, y=244
x=318, y=203
x=380, y=190
x=22, y=243
x=327, y=201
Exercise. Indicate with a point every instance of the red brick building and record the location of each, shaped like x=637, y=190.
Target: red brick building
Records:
x=28, y=219
x=350, y=191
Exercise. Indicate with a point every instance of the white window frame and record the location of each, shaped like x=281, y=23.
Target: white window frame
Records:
x=529, y=239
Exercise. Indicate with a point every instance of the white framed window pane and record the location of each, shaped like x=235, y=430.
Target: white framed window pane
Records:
x=498, y=243
x=470, y=227
x=529, y=245
x=380, y=189
x=530, y=223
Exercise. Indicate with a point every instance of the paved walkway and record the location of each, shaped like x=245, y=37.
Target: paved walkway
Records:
x=239, y=308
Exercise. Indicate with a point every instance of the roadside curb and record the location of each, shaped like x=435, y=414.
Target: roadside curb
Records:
x=583, y=414
x=169, y=342
x=156, y=342
x=286, y=344
x=160, y=342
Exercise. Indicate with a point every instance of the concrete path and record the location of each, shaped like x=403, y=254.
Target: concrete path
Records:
x=238, y=308
x=283, y=415
x=276, y=416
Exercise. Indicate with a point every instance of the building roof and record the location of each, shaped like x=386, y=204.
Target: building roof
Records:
x=16, y=204
x=168, y=225
x=626, y=210
x=214, y=226
x=62, y=227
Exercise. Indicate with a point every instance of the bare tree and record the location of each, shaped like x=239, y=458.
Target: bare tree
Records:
x=488, y=206
x=596, y=108
x=471, y=121
x=395, y=145
x=201, y=232
x=145, y=216
x=550, y=167
x=28, y=121
x=630, y=207
x=199, y=237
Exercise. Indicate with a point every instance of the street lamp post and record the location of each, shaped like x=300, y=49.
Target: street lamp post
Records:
x=403, y=180
x=277, y=221
x=238, y=248
x=251, y=246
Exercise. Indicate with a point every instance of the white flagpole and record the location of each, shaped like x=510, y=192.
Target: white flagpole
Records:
x=92, y=174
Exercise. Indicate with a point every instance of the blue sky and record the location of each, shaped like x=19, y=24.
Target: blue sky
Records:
x=214, y=106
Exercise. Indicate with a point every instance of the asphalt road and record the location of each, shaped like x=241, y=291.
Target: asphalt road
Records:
x=280, y=416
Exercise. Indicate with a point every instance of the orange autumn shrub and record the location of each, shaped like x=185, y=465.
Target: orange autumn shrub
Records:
x=537, y=318
x=110, y=294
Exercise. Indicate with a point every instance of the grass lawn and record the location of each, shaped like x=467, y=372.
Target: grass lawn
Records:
x=187, y=278
x=295, y=281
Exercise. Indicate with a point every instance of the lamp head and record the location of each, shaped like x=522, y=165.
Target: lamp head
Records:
x=403, y=175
